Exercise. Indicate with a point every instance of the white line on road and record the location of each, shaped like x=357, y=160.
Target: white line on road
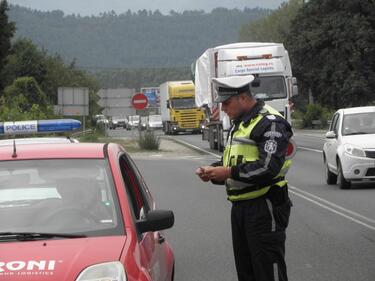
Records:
x=325, y=204
x=197, y=148
x=309, y=149
x=296, y=191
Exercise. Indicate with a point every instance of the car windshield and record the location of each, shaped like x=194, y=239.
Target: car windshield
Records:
x=134, y=118
x=100, y=117
x=119, y=119
x=358, y=124
x=182, y=103
x=272, y=87
x=154, y=118
x=66, y=196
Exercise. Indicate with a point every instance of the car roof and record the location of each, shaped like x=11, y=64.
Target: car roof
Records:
x=53, y=151
x=40, y=140
x=362, y=109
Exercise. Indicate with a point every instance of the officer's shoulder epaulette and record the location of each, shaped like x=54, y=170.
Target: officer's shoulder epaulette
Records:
x=271, y=117
x=265, y=113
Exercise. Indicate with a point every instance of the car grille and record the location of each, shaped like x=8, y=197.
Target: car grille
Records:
x=370, y=154
x=370, y=172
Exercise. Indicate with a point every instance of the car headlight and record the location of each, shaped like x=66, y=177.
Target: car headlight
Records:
x=110, y=271
x=354, y=150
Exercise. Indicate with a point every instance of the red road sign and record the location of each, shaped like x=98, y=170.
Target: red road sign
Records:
x=139, y=101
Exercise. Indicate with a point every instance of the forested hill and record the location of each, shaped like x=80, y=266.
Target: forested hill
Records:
x=131, y=40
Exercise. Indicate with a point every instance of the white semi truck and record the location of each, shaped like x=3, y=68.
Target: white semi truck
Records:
x=268, y=62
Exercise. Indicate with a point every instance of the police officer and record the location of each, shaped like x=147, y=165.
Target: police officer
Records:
x=253, y=169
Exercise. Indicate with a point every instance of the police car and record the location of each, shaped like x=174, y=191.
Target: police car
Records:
x=77, y=212
x=349, y=149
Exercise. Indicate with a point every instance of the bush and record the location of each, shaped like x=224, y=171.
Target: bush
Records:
x=148, y=140
x=100, y=129
x=316, y=112
x=89, y=138
x=297, y=119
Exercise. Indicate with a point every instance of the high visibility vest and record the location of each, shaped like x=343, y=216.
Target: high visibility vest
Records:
x=241, y=149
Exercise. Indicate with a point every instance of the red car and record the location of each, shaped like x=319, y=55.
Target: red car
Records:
x=79, y=212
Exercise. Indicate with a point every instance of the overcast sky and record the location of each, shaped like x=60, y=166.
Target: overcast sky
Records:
x=94, y=7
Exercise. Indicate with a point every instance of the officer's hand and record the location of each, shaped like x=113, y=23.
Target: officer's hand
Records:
x=218, y=174
x=200, y=172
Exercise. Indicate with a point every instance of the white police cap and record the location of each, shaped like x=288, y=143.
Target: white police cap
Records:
x=230, y=86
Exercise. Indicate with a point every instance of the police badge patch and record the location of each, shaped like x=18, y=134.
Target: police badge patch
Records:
x=270, y=146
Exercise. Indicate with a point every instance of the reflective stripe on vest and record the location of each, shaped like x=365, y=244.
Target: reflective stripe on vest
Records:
x=241, y=149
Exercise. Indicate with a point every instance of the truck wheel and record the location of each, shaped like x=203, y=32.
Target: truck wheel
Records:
x=211, y=136
x=166, y=128
x=220, y=138
x=213, y=144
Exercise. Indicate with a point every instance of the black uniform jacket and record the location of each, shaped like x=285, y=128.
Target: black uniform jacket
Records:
x=271, y=134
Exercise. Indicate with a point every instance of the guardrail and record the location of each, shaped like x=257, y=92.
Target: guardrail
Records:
x=81, y=133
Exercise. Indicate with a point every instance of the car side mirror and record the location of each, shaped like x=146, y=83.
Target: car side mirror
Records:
x=168, y=104
x=331, y=135
x=156, y=220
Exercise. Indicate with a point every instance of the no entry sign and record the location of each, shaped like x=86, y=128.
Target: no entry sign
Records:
x=139, y=101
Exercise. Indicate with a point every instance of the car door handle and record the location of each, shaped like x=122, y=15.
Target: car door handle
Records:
x=161, y=239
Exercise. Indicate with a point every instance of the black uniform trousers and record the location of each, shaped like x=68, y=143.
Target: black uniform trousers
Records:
x=258, y=233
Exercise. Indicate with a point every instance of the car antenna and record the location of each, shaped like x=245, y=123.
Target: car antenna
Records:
x=14, y=155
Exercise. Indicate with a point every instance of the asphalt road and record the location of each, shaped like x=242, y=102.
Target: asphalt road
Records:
x=331, y=234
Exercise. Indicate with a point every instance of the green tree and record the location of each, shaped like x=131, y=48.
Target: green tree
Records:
x=7, y=29
x=49, y=72
x=332, y=45
x=273, y=28
x=141, y=77
x=60, y=75
x=24, y=100
x=25, y=59
x=132, y=40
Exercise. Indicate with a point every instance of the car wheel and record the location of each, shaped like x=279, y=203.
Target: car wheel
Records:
x=331, y=178
x=343, y=183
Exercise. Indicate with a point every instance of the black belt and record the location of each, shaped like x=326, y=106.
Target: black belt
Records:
x=235, y=192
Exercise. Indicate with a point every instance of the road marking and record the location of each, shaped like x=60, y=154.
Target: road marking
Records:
x=309, y=149
x=309, y=136
x=197, y=148
x=304, y=194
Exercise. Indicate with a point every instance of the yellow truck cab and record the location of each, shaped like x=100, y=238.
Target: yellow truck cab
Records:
x=178, y=109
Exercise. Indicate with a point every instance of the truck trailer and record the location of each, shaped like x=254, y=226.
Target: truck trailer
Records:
x=268, y=62
x=178, y=110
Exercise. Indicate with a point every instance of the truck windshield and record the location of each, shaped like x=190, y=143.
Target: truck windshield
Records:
x=183, y=103
x=271, y=87
x=66, y=196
